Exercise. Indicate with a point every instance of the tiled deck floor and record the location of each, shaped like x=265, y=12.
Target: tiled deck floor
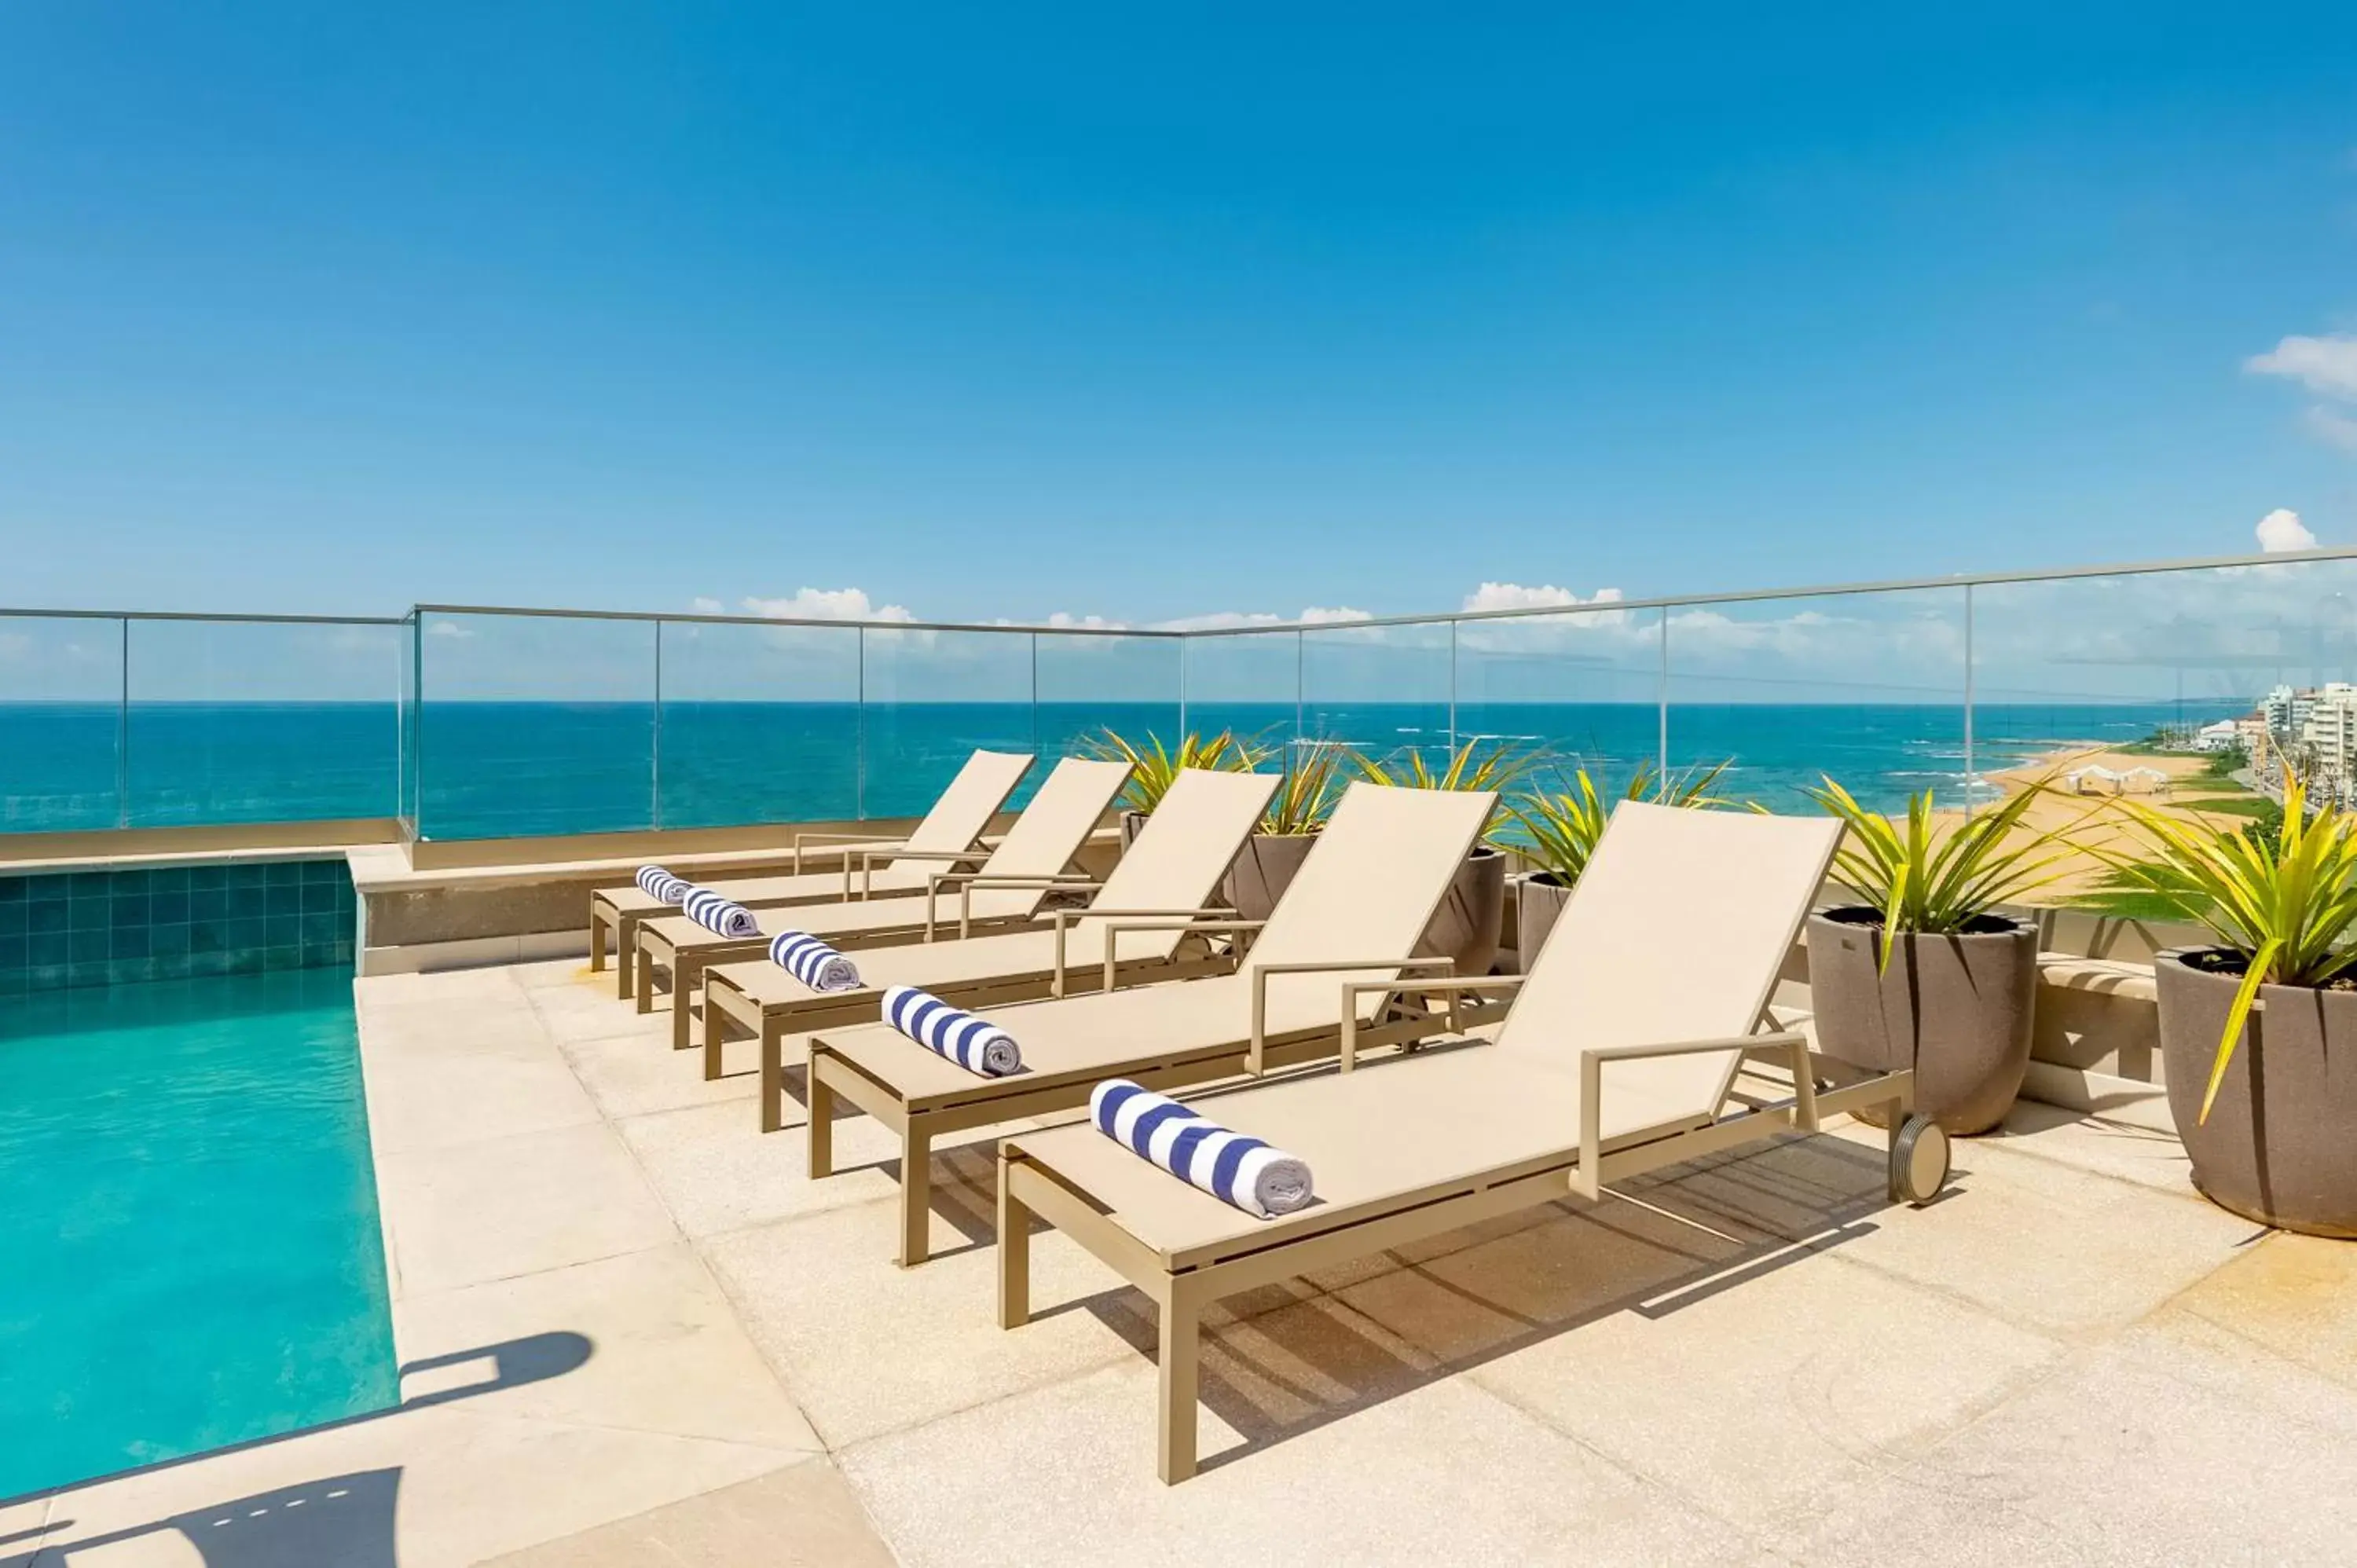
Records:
x=2072, y=1359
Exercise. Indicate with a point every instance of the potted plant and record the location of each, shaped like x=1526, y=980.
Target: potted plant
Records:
x=1264, y=867
x=2258, y=1035
x=1154, y=767
x=1556, y=831
x=1926, y=973
x=1471, y=917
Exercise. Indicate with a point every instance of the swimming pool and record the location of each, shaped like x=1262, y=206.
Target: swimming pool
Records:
x=188, y=1220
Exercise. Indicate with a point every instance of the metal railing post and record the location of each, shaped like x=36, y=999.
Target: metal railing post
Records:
x=654, y=761
x=859, y=737
x=1971, y=776
x=123, y=733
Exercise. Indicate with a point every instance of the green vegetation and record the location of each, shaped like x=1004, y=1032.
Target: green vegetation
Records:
x=1922, y=882
x=1472, y=766
x=1153, y=768
x=1557, y=829
x=2286, y=901
x=1312, y=784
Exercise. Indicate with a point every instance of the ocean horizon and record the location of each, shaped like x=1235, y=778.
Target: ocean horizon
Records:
x=491, y=768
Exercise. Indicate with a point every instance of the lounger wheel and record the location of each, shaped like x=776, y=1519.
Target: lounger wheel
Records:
x=1919, y=1161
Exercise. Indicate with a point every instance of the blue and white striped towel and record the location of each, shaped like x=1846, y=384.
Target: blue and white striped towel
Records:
x=813, y=962
x=658, y=884
x=1199, y=1152
x=715, y=912
x=973, y=1043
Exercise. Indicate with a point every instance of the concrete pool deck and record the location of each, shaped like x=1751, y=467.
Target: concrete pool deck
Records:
x=665, y=1345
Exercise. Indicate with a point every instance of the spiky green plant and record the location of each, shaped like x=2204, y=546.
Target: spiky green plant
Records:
x=1313, y=783
x=1475, y=764
x=1154, y=766
x=1557, y=829
x=1923, y=880
x=2285, y=902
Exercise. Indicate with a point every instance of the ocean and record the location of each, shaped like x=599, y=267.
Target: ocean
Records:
x=482, y=770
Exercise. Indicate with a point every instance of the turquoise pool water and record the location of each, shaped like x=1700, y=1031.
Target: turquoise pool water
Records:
x=189, y=1245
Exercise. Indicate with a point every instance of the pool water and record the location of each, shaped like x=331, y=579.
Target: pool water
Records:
x=189, y=1253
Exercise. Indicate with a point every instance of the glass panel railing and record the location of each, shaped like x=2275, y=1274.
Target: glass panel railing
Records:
x=534, y=725
x=261, y=720
x=1090, y=684
x=1248, y=683
x=1380, y=690
x=1868, y=688
x=931, y=699
x=60, y=723
x=1580, y=689
x=759, y=724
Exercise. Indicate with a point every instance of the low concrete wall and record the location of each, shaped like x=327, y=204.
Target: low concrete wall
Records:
x=414, y=919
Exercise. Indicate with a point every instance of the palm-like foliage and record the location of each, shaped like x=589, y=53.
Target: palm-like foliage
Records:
x=1312, y=784
x=1154, y=767
x=2285, y=902
x=1558, y=829
x=1475, y=764
x=1923, y=880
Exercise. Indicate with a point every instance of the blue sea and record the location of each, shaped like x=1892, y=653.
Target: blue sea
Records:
x=478, y=769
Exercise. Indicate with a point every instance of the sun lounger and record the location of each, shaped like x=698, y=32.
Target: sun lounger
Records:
x=1167, y=876
x=1358, y=906
x=947, y=836
x=1031, y=861
x=1617, y=1055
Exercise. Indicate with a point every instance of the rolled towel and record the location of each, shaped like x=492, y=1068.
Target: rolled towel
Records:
x=813, y=962
x=715, y=912
x=1199, y=1151
x=973, y=1043
x=661, y=885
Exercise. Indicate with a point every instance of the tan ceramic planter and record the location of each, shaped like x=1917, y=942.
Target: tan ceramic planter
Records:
x=1957, y=1008
x=2280, y=1147
x=1263, y=869
x=1472, y=914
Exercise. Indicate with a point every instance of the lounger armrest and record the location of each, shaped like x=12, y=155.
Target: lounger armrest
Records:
x=1792, y=1043
x=869, y=857
x=802, y=838
x=967, y=881
x=1453, y=987
x=1116, y=931
x=1261, y=972
x=1064, y=918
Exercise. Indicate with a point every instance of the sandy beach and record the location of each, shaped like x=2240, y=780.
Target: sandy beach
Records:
x=2095, y=819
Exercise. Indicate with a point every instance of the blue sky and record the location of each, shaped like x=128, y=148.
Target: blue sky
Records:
x=1156, y=314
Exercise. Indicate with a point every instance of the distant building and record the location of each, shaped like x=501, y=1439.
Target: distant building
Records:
x=2329, y=731
x=2226, y=735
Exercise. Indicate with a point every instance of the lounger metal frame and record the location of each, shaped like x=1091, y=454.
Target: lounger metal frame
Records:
x=920, y=1121
x=684, y=967
x=1183, y=1286
x=725, y=1003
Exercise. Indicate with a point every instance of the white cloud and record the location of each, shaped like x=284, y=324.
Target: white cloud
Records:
x=2282, y=530
x=825, y=604
x=2333, y=429
x=1086, y=623
x=1235, y=621
x=2326, y=365
x=1515, y=596
x=703, y=605
x=447, y=629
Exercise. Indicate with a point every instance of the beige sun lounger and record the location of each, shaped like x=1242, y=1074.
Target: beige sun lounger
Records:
x=1618, y=1057
x=1358, y=905
x=1168, y=874
x=948, y=835
x=1030, y=863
